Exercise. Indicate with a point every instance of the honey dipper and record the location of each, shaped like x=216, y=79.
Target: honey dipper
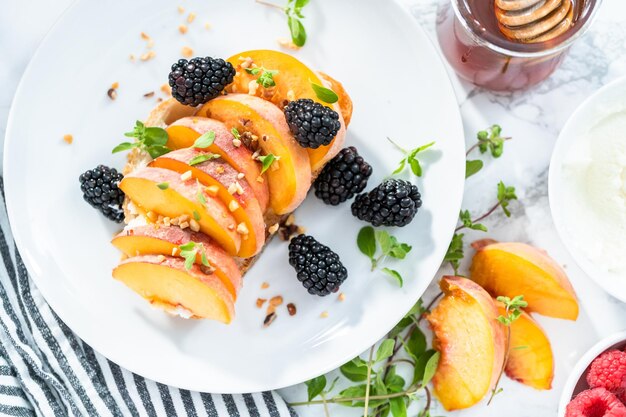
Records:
x=532, y=21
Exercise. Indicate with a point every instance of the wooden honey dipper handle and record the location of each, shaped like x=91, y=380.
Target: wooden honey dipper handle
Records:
x=532, y=21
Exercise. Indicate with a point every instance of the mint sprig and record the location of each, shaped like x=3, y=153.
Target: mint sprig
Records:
x=198, y=159
x=265, y=79
x=267, y=161
x=410, y=158
x=370, y=240
x=190, y=251
x=149, y=139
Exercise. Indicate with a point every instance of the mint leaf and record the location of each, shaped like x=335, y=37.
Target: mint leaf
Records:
x=366, y=241
x=155, y=136
x=420, y=365
x=431, y=368
x=196, y=215
x=266, y=79
x=455, y=251
x=384, y=240
x=505, y=195
x=235, y=133
x=416, y=345
x=325, y=94
x=385, y=349
x=163, y=185
x=398, y=407
x=267, y=161
x=187, y=246
x=315, y=386
x=298, y=32
x=416, y=168
x=205, y=140
x=253, y=71
x=472, y=167
x=201, y=198
x=124, y=146
x=157, y=150
x=394, y=274
x=198, y=159
x=355, y=370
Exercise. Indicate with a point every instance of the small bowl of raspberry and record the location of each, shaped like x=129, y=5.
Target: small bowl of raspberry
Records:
x=597, y=385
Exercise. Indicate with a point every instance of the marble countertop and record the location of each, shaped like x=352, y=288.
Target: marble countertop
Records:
x=533, y=118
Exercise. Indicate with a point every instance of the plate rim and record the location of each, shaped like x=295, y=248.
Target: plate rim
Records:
x=561, y=145
x=455, y=119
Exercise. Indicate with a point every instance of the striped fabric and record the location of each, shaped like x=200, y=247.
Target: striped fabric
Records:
x=46, y=370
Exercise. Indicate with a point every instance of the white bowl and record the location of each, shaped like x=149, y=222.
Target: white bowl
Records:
x=609, y=99
x=576, y=382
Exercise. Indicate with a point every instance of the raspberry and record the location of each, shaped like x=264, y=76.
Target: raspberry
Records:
x=597, y=402
x=609, y=371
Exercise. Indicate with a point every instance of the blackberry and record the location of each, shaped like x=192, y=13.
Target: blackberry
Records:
x=100, y=190
x=199, y=80
x=343, y=177
x=392, y=203
x=312, y=124
x=318, y=268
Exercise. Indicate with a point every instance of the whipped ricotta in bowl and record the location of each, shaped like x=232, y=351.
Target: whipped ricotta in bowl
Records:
x=594, y=192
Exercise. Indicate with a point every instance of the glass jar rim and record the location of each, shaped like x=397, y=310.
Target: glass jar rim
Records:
x=529, y=54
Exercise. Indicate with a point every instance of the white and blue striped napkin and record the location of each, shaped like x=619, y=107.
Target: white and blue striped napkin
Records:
x=46, y=370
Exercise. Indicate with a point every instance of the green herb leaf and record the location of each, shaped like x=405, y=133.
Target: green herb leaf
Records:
x=410, y=157
x=204, y=259
x=198, y=159
x=395, y=275
x=201, y=198
x=196, y=215
x=431, y=368
x=351, y=392
x=466, y=219
x=355, y=370
x=398, y=407
x=253, y=71
x=366, y=241
x=155, y=136
x=385, y=349
x=416, y=168
x=315, y=386
x=266, y=79
x=187, y=246
x=399, y=328
x=190, y=258
x=157, y=150
x=455, y=251
x=163, y=185
x=491, y=140
x=298, y=32
x=384, y=240
x=505, y=195
x=416, y=345
x=472, y=167
x=205, y=140
x=420, y=366
x=399, y=250
x=394, y=383
x=267, y=161
x=325, y=94
x=124, y=146
x=235, y=133
x=400, y=168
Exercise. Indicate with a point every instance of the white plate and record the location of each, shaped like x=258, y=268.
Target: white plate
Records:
x=608, y=99
x=400, y=89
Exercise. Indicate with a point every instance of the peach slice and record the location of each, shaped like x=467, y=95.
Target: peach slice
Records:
x=289, y=179
x=293, y=81
x=512, y=269
x=530, y=359
x=470, y=340
x=162, y=240
x=165, y=283
x=219, y=177
x=182, y=197
x=184, y=132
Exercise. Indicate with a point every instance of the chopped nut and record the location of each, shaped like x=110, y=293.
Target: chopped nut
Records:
x=287, y=43
x=186, y=176
x=193, y=225
x=291, y=96
x=219, y=169
x=291, y=308
x=191, y=17
x=324, y=314
x=166, y=89
x=183, y=225
x=159, y=99
x=273, y=228
x=276, y=301
x=260, y=302
x=181, y=9
x=259, y=179
x=269, y=319
x=231, y=227
x=150, y=94
x=112, y=93
x=115, y=85
x=144, y=36
x=207, y=270
x=175, y=221
x=270, y=309
x=265, y=285
x=160, y=259
x=232, y=188
x=291, y=219
x=131, y=57
x=175, y=251
x=207, y=26
x=150, y=44
x=212, y=190
x=246, y=62
x=341, y=297
x=147, y=56
x=167, y=221
x=182, y=29
x=240, y=176
x=233, y=205
x=252, y=87
x=183, y=217
x=236, y=143
x=239, y=188
x=68, y=139
x=242, y=229
x=187, y=52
